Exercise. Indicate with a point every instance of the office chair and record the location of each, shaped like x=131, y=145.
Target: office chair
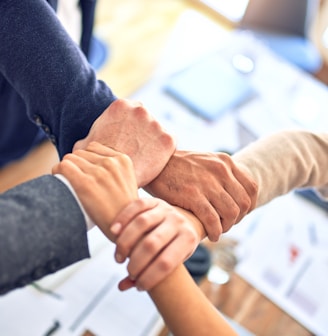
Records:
x=284, y=25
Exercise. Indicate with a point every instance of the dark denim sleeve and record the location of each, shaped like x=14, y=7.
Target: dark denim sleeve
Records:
x=49, y=71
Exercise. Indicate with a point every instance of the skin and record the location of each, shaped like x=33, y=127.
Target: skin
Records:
x=155, y=237
x=127, y=127
x=185, y=310
x=214, y=189
x=98, y=173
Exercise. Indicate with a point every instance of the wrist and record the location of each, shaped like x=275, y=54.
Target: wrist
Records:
x=197, y=225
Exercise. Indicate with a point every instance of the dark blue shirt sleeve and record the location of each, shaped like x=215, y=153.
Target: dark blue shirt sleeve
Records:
x=49, y=71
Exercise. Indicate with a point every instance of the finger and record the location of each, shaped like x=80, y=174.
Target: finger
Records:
x=87, y=161
x=161, y=267
x=55, y=169
x=66, y=168
x=249, y=185
x=126, y=284
x=138, y=227
x=101, y=149
x=100, y=167
x=134, y=208
x=150, y=247
x=208, y=215
x=72, y=172
x=94, y=158
x=239, y=199
x=228, y=209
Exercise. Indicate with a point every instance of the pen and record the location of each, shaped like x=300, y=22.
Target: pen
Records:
x=53, y=328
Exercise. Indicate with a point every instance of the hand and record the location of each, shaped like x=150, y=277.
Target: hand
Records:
x=104, y=181
x=209, y=185
x=128, y=128
x=156, y=237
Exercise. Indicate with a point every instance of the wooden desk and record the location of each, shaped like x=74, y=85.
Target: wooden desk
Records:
x=247, y=306
x=136, y=32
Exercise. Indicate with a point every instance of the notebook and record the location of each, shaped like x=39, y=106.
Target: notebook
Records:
x=210, y=87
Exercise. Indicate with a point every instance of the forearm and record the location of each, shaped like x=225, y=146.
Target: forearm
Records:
x=50, y=73
x=185, y=309
x=284, y=161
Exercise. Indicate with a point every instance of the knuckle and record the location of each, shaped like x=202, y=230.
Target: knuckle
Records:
x=226, y=158
x=69, y=156
x=125, y=159
x=245, y=204
x=123, y=249
x=140, y=111
x=165, y=265
x=92, y=145
x=233, y=213
x=140, y=203
x=168, y=141
x=64, y=166
x=106, y=162
x=254, y=188
x=150, y=244
x=191, y=237
x=142, y=221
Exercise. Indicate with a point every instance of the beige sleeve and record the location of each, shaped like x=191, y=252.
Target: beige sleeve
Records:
x=284, y=161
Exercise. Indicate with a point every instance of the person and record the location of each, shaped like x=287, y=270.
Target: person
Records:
x=63, y=97
x=304, y=149
x=278, y=163
x=43, y=228
x=284, y=161
x=77, y=17
x=186, y=310
x=61, y=94
x=55, y=229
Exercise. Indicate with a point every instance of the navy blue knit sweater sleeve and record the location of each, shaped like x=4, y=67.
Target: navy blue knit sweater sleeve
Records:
x=50, y=73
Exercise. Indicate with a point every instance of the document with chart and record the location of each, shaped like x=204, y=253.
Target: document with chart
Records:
x=284, y=254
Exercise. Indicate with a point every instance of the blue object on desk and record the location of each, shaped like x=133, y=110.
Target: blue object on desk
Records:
x=284, y=26
x=297, y=50
x=210, y=87
x=199, y=263
x=311, y=195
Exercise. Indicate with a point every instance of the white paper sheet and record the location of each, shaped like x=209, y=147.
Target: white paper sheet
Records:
x=94, y=302
x=284, y=254
x=85, y=297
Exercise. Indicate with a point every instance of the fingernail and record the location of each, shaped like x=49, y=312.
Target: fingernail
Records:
x=116, y=228
x=119, y=258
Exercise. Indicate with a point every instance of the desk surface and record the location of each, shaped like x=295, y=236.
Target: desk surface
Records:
x=144, y=26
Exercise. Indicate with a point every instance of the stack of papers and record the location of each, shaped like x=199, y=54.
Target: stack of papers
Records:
x=283, y=252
